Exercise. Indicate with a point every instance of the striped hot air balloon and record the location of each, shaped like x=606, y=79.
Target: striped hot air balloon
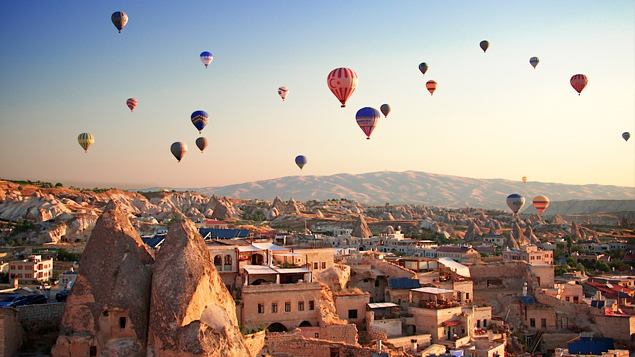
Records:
x=119, y=19
x=578, y=82
x=200, y=119
x=342, y=82
x=541, y=203
x=367, y=119
x=206, y=58
x=282, y=92
x=131, y=103
x=534, y=61
x=85, y=140
x=432, y=86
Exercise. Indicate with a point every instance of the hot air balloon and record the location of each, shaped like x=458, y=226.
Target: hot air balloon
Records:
x=423, y=67
x=178, y=149
x=578, y=82
x=484, y=45
x=201, y=143
x=200, y=119
x=385, y=109
x=367, y=119
x=515, y=202
x=119, y=19
x=524, y=178
x=132, y=103
x=206, y=58
x=534, y=61
x=300, y=160
x=342, y=82
x=626, y=135
x=432, y=86
x=541, y=203
x=282, y=92
x=85, y=140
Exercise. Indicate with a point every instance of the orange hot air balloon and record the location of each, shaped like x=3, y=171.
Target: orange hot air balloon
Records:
x=432, y=86
x=342, y=82
x=524, y=178
x=541, y=203
x=578, y=82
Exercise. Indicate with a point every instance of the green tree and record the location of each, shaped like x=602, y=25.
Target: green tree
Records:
x=570, y=262
x=59, y=185
x=602, y=266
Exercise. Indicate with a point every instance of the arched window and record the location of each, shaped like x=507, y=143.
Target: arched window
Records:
x=228, y=263
x=218, y=261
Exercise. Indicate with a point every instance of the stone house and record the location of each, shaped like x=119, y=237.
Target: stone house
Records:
x=529, y=254
x=462, y=254
x=31, y=268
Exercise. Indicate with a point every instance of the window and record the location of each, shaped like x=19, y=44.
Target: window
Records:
x=261, y=308
x=274, y=307
x=287, y=307
x=93, y=351
x=352, y=314
x=217, y=260
x=315, y=266
x=532, y=322
x=377, y=282
x=323, y=265
x=575, y=300
x=485, y=323
x=300, y=305
x=467, y=296
x=478, y=323
x=543, y=322
x=122, y=322
x=311, y=305
x=228, y=262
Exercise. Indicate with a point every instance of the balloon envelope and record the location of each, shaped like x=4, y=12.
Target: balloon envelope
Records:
x=423, y=67
x=201, y=143
x=178, y=149
x=626, y=135
x=119, y=19
x=534, y=61
x=515, y=202
x=432, y=86
x=484, y=45
x=385, y=109
x=200, y=119
x=206, y=58
x=367, y=119
x=131, y=103
x=342, y=82
x=541, y=203
x=85, y=140
x=524, y=178
x=578, y=82
x=300, y=160
x=282, y=92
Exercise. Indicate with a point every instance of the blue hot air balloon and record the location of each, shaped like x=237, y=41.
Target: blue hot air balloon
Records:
x=515, y=202
x=300, y=160
x=206, y=58
x=367, y=119
x=200, y=119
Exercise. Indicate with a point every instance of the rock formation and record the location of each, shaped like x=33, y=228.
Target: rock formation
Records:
x=106, y=311
x=360, y=229
x=191, y=313
x=473, y=232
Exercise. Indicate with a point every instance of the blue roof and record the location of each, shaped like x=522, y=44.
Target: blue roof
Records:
x=526, y=300
x=154, y=241
x=591, y=345
x=403, y=283
x=217, y=233
x=598, y=304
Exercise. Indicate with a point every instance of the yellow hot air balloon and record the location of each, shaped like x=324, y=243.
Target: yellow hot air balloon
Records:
x=541, y=203
x=524, y=178
x=85, y=140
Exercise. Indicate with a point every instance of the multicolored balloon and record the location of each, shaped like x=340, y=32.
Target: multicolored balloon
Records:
x=367, y=119
x=342, y=82
x=524, y=179
x=484, y=45
x=385, y=109
x=515, y=202
x=131, y=103
x=541, y=203
x=119, y=19
x=423, y=67
x=534, y=61
x=200, y=119
x=178, y=149
x=206, y=58
x=578, y=82
x=201, y=143
x=626, y=135
x=300, y=160
x=432, y=86
x=85, y=140
x=282, y=92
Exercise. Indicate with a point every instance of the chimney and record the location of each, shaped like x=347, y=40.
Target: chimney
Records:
x=525, y=289
x=414, y=345
x=378, y=346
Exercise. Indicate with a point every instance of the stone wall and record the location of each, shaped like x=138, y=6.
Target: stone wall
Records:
x=255, y=342
x=393, y=270
x=551, y=341
x=33, y=317
x=511, y=275
x=405, y=342
x=294, y=344
x=617, y=327
x=562, y=306
x=11, y=334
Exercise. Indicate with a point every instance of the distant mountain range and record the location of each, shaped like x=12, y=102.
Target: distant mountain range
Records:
x=412, y=187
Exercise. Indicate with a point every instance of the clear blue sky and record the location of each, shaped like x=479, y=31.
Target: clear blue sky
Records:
x=64, y=70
